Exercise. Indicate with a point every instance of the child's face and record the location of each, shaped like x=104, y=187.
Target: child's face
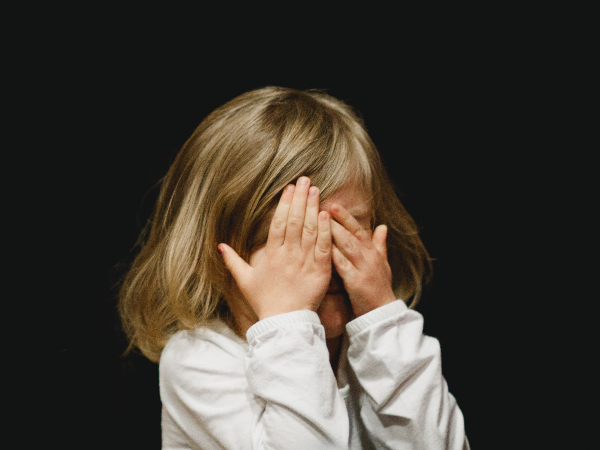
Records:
x=335, y=310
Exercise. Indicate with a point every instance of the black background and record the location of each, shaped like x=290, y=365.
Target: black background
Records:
x=455, y=128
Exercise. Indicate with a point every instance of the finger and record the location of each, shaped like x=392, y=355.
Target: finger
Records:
x=310, y=231
x=379, y=239
x=324, y=243
x=295, y=221
x=346, y=243
x=240, y=269
x=342, y=215
x=342, y=265
x=279, y=221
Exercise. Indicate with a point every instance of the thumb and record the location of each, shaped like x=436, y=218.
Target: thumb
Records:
x=239, y=268
x=379, y=239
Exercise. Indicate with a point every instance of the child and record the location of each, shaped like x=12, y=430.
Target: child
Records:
x=273, y=301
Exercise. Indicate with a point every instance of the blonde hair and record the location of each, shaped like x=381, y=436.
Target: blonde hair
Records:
x=222, y=186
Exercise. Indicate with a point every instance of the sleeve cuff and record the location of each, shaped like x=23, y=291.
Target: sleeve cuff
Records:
x=377, y=315
x=282, y=320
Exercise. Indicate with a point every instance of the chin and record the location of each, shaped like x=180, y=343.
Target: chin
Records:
x=335, y=312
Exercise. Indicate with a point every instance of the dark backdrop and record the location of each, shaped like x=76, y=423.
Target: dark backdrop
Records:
x=448, y=132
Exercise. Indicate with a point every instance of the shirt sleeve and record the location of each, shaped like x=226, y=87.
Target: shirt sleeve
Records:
x=288, y=370
x=404, y=401
x=279, y=394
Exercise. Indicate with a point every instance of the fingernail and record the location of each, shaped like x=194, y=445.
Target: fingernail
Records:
x=303, y=181
x=323, y=216
x=289, y=189
x=219, y=249
x=313, y=191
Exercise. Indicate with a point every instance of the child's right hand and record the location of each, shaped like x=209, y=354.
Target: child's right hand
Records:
x=292, y=272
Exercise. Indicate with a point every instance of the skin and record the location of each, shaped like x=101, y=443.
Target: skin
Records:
x=320, y=257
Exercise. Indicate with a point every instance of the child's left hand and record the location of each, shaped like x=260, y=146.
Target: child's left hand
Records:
x=361, y=260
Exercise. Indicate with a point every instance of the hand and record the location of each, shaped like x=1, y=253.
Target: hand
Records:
x=292, y=272
x=361, y=260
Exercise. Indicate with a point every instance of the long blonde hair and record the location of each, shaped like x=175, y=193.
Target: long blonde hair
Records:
x=222, y=186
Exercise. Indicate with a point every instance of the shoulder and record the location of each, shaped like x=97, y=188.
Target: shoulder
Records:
x=209, y=351
x=202, y=382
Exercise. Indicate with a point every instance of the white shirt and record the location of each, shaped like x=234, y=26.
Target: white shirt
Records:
x=277, y=390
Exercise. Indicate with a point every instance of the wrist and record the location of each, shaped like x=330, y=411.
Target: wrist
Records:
x=383, y=313
x=279, y=311
x=364, y=305
x=285, y=321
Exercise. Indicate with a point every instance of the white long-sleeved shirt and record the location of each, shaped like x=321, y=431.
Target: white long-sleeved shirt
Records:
x=277, y=390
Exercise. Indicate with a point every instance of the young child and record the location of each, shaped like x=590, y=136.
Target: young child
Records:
x=272, y=289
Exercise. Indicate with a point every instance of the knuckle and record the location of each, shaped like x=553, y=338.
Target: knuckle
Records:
x=310, y=229
x=349, y=246
x=361, y=233
x=343, y=263
x=294, y=221
x=323, y=247
x=278, y=223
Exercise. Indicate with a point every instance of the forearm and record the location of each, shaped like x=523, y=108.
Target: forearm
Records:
x=287, y=368
x=399, y=371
